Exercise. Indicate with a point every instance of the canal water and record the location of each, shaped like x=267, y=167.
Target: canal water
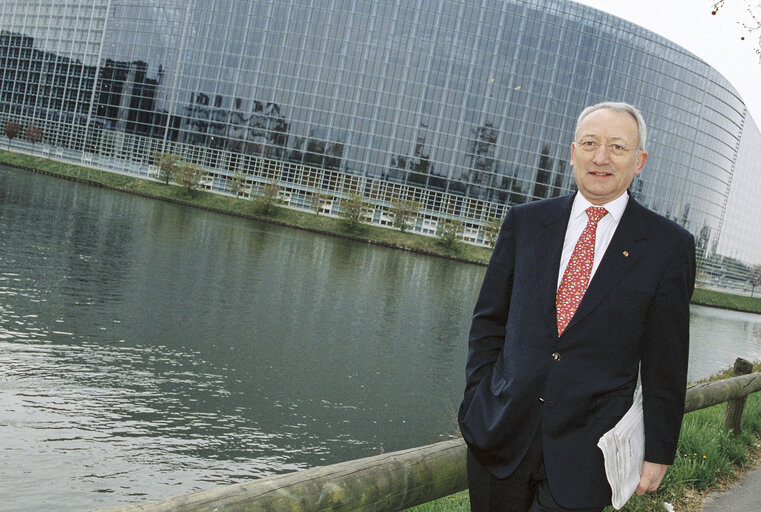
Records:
x=149, y=350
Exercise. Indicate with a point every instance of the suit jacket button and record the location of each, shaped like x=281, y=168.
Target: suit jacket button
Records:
x=541, y=399
x=556, y=356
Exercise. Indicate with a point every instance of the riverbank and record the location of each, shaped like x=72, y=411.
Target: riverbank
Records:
x=250, y=209
x=723, y=300
x=308, y=221
x=709, y=459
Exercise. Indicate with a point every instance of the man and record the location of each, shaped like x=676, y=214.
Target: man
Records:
x=574, y=305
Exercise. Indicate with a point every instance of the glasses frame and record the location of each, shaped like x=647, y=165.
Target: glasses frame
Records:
x=614, y=148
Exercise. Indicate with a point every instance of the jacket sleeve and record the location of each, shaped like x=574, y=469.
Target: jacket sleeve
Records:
x=665, y=355
x=487, y=331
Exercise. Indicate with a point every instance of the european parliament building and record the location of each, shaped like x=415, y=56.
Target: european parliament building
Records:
x=466, y=107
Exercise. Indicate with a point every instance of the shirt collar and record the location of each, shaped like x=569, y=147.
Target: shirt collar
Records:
x=615, y=208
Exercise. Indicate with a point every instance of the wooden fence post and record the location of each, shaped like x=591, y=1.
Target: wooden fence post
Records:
x=733, y=420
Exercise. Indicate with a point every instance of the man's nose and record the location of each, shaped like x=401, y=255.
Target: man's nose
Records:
x=601, y=155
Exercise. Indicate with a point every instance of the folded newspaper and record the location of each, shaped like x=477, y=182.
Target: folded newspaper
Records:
x=623, y=448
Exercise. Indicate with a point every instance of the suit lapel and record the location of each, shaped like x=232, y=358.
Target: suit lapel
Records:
x=549, y=251
x=623, y=252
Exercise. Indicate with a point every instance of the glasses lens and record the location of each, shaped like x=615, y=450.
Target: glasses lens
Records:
x=591, y=145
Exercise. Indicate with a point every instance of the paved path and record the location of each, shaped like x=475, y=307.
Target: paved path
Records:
x=744, y=496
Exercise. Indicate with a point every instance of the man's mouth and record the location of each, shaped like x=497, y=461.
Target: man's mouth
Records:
x=600, y=173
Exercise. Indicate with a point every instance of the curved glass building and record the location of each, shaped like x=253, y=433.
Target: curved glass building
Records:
x=464, y=106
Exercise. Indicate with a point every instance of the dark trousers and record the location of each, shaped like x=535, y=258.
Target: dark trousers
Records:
x=526, y=490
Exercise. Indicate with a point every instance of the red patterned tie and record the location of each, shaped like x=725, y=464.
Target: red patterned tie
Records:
x=576, y=275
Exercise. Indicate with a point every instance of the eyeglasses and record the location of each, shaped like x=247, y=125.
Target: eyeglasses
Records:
x=591, y=145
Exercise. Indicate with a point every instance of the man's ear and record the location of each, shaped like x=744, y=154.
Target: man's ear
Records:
x=641, y=159
x=573, y=152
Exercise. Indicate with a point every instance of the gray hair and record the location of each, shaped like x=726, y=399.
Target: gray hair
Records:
x=618, y=106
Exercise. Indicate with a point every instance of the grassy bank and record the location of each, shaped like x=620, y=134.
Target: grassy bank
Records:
x=724, y=300
x=251, y=209
x=305, y=220
x=708, y=458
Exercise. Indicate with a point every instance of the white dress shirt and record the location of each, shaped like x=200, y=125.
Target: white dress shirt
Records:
x=605, y=229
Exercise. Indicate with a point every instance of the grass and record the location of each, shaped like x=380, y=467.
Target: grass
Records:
x=726, y=300
x=307, y=220
x=708, y=457
x=454, y=503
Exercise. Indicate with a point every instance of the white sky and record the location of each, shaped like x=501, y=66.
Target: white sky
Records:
x=715, y=39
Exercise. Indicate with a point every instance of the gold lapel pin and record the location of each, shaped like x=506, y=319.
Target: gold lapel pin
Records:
x=626, y=254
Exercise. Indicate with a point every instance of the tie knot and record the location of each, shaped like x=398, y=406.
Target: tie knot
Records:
x=595, y=213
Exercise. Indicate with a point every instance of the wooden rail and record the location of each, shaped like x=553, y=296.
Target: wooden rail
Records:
x=388, y=482
x=391, y=481
x=701, y=396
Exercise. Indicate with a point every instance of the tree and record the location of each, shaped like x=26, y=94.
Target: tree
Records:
x=168, y=164
x=33, y=134
x=353, y=210
x=12, y=130
x=318, y=201
x=752, y=25
x=189, y=176
x=754, y=278
x=267, y=199
x=491, y=230
x=448, y=231
x=237, y=182
x=403, y=210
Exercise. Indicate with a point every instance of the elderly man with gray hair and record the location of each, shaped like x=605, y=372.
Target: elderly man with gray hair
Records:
x=583, y=294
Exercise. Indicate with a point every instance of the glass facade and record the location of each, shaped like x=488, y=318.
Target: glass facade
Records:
x=466, y=107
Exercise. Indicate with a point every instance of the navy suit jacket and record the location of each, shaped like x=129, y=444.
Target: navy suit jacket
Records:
x=521, y=376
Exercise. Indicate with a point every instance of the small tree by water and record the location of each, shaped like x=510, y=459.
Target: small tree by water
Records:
x=354, y=210
x=12, y=130
x=189, y=176
x=491, y=230
x=404, y=212
x=33, y=134
x=168, y=164
x=267, y=199
x=318, y=202
x=449, y=231
x=237, y=182
x=754, y=278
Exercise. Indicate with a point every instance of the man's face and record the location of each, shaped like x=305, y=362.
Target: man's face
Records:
x=600, y=175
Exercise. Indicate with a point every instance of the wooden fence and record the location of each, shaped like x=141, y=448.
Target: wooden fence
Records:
x=398, y=480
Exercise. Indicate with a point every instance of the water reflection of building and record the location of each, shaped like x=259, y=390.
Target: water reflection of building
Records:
x=466, y=108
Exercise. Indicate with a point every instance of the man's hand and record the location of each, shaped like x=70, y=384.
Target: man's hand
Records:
x=651, y=476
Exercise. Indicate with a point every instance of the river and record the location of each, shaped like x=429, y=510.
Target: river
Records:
x=149, y=350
